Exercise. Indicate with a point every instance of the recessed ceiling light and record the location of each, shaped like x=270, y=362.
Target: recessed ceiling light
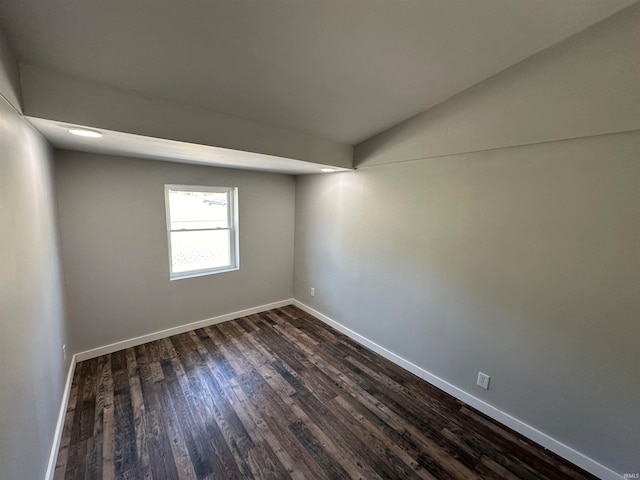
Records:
x=85, y=132
x=327, y=170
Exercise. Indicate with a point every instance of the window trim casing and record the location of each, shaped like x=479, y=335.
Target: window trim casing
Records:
x=232, y=215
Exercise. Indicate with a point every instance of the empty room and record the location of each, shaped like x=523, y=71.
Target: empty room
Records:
x=304, y=239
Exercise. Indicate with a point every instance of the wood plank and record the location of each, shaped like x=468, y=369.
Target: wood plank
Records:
x=279, y=395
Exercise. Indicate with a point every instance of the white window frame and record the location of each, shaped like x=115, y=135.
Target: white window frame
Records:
x=232, y=215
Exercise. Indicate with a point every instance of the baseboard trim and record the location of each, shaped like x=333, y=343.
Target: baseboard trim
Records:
x=519, y=426
x=57, y=436
x=504, y=418
x=150, y=337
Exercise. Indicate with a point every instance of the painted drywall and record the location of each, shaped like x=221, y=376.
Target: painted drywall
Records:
x=586, y=85
x=115, y=253
x=522, y=262
x=32, y=320
x=54, y=96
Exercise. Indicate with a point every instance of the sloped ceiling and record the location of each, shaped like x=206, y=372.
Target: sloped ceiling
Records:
x=336, y=69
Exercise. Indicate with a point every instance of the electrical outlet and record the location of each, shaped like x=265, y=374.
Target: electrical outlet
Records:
x=313, y=292
x=483, y=380
x=64, y=351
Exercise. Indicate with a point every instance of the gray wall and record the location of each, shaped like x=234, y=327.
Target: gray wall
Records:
x=32, y=327
x=114, y=246
x=522, y=262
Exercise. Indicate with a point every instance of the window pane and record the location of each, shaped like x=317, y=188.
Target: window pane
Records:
x=200, y=250
x=194, y=210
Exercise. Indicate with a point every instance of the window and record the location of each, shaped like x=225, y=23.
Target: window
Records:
x=202, y=230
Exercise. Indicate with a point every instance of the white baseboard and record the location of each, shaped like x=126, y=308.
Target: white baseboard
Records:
x=519, y=426
x=132, y=342
x=53, y=455
x=150, y=337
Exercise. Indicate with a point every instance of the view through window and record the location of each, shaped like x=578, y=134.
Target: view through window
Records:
x=201, y=229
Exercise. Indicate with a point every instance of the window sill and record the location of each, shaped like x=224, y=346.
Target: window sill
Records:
x=201, y=274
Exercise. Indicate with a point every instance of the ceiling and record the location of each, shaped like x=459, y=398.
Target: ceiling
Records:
x=339, y=69
x=127, y=144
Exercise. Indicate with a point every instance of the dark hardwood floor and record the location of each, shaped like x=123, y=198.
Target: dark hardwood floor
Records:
x=278, y=395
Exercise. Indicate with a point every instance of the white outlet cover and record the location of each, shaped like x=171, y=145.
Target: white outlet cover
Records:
x=483, y=380
x=313, y=292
